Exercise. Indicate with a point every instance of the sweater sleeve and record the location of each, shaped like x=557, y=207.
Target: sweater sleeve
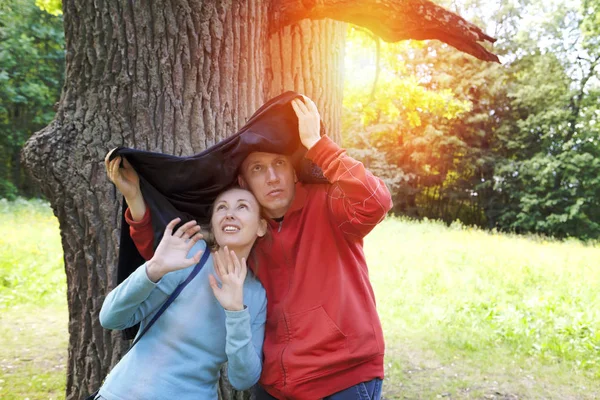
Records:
x=141, y=233
x=130, y=302
x=357, y=199
x=244, y=344
x=137, y=297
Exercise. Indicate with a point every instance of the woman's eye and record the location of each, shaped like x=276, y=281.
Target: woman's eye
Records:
x=242, y=206
x=220, y=207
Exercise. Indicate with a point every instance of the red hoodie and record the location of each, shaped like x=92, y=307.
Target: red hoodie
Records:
x=323, y=333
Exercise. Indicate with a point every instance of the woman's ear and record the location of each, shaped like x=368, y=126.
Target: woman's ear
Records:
x=262, y=228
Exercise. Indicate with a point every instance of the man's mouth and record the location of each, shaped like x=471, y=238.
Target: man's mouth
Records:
x=275, y=193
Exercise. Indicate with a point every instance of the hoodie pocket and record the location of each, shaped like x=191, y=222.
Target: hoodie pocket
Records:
x=317, y=345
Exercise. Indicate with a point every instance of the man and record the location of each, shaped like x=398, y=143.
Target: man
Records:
x=323, y=337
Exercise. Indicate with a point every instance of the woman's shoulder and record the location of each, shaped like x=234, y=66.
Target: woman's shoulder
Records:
x=200, y=245
x=253, y=285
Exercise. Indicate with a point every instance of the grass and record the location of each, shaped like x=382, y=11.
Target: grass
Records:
x=471, y=314
x=467, y=314
x=33, y=308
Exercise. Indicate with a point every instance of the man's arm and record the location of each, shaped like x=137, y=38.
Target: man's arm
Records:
x=357, y=199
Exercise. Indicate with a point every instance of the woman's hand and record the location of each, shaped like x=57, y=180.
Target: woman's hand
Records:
x=127, y=181
x=232, y=272
x=171, y=253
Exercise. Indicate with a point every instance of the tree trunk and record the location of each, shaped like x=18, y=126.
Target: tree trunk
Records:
x=173, y=76
x=169, y=76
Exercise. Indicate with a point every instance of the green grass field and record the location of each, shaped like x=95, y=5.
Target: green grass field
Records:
x=466, y=314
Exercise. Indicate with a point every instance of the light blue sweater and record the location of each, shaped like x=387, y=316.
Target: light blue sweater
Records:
x=181, y=354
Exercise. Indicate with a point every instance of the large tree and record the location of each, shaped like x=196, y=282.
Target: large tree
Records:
x=177, y=76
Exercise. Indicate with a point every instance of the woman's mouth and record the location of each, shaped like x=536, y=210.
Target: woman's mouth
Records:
x=231, y=229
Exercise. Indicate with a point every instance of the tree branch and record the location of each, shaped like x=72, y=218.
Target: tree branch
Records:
x=392, y=20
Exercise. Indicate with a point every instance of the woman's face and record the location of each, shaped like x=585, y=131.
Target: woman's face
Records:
x=236, y=220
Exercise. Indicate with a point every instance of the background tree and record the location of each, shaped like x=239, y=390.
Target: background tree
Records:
x=177, y=76
x=520, y=152
x=31, y=75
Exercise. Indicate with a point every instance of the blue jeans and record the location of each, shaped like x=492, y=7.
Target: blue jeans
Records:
x=370, y=390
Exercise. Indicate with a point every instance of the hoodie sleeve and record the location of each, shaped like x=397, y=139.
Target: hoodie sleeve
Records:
x=357, y=199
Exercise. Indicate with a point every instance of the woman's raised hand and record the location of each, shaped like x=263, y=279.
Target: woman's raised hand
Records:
x=125, y=179
x=171, y=253
x=232, y=272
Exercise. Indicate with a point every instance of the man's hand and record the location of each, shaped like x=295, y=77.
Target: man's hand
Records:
x=171, y=253
x=232, y=272
x=309, y=121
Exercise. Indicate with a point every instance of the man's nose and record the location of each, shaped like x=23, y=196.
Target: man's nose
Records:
x=272, y=175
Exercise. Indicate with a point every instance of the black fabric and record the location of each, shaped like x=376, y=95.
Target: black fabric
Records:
x=186, y=187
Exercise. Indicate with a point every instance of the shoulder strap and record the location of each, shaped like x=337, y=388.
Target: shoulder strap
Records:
x=175, y=293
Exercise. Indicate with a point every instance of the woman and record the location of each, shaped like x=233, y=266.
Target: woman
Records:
x=215, y=319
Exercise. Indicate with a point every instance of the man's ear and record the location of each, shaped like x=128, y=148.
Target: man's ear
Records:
x=262, y=228
x=242, y=182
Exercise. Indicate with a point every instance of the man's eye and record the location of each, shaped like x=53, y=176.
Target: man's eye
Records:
x=257, y=168
x=280, y=162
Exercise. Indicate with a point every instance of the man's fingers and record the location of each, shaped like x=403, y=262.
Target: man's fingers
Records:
x=302, y=106
x=296, y=109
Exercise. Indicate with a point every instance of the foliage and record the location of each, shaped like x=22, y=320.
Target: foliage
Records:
x=512, y=146
x=31, y=76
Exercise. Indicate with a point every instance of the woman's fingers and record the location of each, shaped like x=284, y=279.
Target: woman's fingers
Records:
x=243, y=269
x=226, y=261
x=171, y=225
x=114, y=168
x=214, y=284
x=217, y=264
x=107, y=158
x=235, y=262
x=181, y=232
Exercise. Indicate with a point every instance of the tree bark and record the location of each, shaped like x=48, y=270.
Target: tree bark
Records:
x=173, y=76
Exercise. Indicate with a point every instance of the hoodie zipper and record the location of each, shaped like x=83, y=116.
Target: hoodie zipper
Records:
x=287, y=328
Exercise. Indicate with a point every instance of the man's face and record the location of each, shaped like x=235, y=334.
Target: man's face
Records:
x=271, y=178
